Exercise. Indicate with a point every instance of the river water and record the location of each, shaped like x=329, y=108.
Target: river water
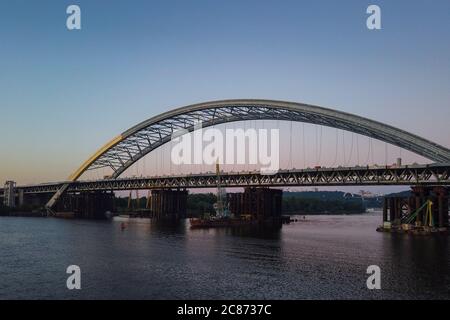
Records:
x=323, y=257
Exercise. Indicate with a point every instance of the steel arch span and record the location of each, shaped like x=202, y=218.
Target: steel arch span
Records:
x=130, y=146
x=123, y=151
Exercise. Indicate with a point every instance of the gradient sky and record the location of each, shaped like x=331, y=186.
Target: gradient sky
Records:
x=64, y=93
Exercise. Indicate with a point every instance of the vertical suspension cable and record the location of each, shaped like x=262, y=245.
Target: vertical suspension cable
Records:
x=303, y=145
x=224, y=151
x=152, y=163
x=290, y=145
x=161, y=155
x=368, y=150
x=157, y=162
x=255, y=166
x=320, y=145
x=278, y=127
x=351, y=150
x=170, y=154
x=136, y=165
x=371, y=151
x=343, y=147
x=385, y=154
x=160, y=167
x=357, y=151
x=317, y=143
x=144, y=160
x=264, y=127
x=234, y=149
x=247, y=151
x=336, y=150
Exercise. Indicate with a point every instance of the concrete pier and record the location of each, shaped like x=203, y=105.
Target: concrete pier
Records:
x=87, y=205
x=261, y=204
x=166, y=204
x=425, y=211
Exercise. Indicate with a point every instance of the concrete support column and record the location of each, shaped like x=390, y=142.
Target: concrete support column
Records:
x=391, y=210
x=168, y=204
x=20, y=193
x=442, y=205
x=420, y=197
x=385, y=210
x=398, y=209
x=441, y=210
x=419, y=214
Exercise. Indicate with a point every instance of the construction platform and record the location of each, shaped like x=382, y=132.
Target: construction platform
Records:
x=424, y=212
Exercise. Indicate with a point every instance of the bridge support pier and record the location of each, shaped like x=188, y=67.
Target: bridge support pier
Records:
x=87, y=205
x=420, y=195
x=442, y=206
x=260, y=204
x=385, y=209
x=424, y=212
x=37, y=200
x=167, y=204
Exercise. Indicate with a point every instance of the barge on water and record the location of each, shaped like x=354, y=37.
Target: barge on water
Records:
x=255, y=206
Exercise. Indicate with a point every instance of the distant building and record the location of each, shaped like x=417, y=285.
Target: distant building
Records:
x=9, y=199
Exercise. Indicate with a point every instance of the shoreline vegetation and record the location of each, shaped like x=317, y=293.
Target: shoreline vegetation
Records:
x=326, y=202
x=300, y=203
x=294, y=203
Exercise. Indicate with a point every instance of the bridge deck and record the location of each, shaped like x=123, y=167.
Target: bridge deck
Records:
x=434, y=174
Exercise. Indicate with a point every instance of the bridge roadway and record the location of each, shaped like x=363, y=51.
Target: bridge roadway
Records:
x=429, y=175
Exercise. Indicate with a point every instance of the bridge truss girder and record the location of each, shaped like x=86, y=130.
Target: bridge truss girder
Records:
x=430, y=175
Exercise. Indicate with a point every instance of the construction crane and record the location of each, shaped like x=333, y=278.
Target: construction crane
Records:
x=221, y=205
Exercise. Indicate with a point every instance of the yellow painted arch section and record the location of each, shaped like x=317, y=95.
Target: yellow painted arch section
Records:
x=74, y=176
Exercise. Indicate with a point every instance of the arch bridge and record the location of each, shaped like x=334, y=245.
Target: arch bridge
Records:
x=130, y=146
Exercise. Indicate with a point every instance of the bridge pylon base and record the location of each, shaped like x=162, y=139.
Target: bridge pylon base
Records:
x=86, y=205
x=424, y=212
x=168, y=204
x=263, y=205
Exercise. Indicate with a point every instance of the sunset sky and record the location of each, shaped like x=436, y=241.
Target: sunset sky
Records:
x=65, y=93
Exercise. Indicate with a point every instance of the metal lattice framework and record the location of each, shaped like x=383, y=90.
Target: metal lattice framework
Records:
x=432, y=175
x=135, y=143
x=124, y=150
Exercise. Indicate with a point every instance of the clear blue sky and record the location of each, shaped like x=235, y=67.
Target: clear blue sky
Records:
x=65, y=93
